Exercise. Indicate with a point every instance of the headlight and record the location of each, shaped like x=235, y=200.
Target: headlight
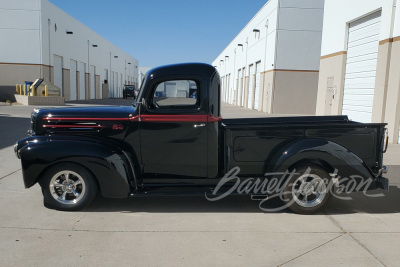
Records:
x=16, y=150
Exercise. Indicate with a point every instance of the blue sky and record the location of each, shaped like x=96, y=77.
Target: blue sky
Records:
x=158, y=32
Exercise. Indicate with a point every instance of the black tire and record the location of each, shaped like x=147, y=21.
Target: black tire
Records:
x=311, y=180
x=68, y=187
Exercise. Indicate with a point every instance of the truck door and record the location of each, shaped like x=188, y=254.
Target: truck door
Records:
x=173, y=130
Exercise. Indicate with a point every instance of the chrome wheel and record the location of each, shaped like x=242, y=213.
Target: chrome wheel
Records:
x=309, y=190
x=67, y=187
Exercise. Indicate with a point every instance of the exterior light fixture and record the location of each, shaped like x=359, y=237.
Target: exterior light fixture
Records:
x=227, y=57
x=94, y=45
x=69, y=32
x=255, y=32
x=129, y=63
x=240, y=45
x=115, y=56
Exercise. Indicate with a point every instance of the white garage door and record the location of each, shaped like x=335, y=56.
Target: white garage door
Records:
x=115, y=85
x=58, y=75
x=239, y=88
x=230, y=90
x=73, y=69
x=361, y=64
x=92, y=85
x=82, y=86
x=111, y=84
x=243, y=78
x=257, y=87
x=251, y=87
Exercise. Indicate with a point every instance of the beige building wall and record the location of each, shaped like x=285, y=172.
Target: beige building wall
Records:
x=87, y=85
x=66, y=84
x=78, y=84
x=97, y=86
x=392, y=109
x=267, y=91
x=330, y=96
x=296, y=92
x=105, y=90
x=15, y=73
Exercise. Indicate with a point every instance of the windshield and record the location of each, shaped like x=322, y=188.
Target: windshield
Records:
x=131, y=87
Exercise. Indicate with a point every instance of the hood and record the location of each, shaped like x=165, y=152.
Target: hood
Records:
x=104, y=121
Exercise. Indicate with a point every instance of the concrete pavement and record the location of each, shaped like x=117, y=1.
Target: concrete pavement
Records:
x=181, y=231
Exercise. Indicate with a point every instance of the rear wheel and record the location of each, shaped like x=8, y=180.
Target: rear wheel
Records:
x=308, y=190
x=68, y=187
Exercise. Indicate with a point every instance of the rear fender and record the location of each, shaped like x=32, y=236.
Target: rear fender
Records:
x=109, y=164
x=329, y=155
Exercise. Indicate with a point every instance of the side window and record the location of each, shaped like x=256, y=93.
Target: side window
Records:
x=177, y=93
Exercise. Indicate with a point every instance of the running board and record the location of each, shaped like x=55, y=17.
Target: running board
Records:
x=258, y=197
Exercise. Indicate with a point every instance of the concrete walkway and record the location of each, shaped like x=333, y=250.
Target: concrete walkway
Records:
x=182, y=231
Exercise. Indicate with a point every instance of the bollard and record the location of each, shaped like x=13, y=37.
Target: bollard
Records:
x=16, y=89
x=33, y=91
x=24, y=88
x=46, y=90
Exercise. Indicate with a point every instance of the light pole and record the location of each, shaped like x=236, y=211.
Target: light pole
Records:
x=129, y=72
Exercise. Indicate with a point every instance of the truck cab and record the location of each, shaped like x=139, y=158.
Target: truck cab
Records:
x=179, y=122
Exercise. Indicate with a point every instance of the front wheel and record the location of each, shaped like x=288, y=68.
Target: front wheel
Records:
x=308, y=190
x=68, y=187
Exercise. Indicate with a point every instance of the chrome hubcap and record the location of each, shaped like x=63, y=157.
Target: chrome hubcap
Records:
x=309, y=190
x=67, y=187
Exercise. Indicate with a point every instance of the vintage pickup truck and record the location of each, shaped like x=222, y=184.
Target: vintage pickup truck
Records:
x=173, y=141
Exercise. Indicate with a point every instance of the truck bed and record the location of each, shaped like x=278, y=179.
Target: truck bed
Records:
x=251, y=143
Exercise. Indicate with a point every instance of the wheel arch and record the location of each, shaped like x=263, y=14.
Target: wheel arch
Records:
x=326, y=154
x=108, y=164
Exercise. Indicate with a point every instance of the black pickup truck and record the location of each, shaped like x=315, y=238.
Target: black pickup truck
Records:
x=173, y=141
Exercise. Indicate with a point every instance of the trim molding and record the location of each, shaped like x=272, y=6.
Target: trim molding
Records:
x=26, y=64
x=334, y=54
x=279, y=70
x=389, y=40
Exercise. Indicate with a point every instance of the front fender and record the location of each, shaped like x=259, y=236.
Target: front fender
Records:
x=108, y=163
x=323, y=152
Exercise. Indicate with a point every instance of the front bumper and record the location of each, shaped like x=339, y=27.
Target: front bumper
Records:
x=16, y=150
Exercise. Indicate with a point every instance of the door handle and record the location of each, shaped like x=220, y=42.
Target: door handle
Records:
x=199, y=125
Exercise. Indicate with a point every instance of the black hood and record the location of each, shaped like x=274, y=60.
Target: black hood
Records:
x=104, y=121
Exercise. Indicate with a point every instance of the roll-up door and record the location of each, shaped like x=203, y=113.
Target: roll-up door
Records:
x=92, y=82
x=111, y=93
x=362, y=54
x=116, y=85
x=82, y=83
x=58, y=72
x=239, y=88
x=251, y=87
x=230, y=98
x=73, y=70
x=243, y=79
x=257, y=85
